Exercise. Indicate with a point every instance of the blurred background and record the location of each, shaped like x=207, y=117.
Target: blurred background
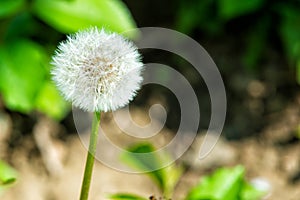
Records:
x=255, y=44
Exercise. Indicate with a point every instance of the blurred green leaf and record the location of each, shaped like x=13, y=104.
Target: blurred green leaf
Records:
x=49, y=101
x=123, y=196
x=70, y=16
x=165, y=178
x=229, y=9
x=290, y=34
x=187, y=17
x=222, y=184
x=7, y=174
x=298, y=130
x=172, y=174
x=255, y=44
x=290, y=31
x=22, y=25
x=135, y=158
x=249, y=192
x=9, y=7
x=22, y=69
x=198, y=14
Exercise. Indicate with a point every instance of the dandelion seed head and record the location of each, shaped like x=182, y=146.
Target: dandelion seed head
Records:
x=97, y=70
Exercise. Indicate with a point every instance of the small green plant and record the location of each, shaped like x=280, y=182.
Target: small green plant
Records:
x=165, y=178
x=29, y=32
x=7, y=176
x=224, y=183
x=263, y=23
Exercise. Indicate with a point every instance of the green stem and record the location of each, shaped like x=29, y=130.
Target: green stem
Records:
x=90, y=158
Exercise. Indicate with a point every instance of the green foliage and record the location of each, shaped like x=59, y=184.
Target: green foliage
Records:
x=255, y=44
x=165, y=178
x=9, y=7
x=229, y=9
x=249, y=192
x=7, y=176
x=123, y=196
x=198, y=14
x=50, y=101
x=25, y=84
x=290, y=34
x=290, y=30
x=297, y=132
x=23, y=71
x=27, y=44
x=262, y=21
x=81, y=14
x=225, y=183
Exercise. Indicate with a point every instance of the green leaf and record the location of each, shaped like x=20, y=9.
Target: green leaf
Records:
x=123, y=196
x=289, y=30
x=255, y=44
x=223, y=184
x=249, y=192
x=9, y=7
x=229, y=9
x=22, y=69
x=7, y=174
x=198, y=14
x=23, y=25
x=135, y=158
x=165, y=178
x=50, y=102
x=298, y=129
x=187, y=17
x=70, y=16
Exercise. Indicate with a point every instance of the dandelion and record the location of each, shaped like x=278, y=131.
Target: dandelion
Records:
x=97, y=71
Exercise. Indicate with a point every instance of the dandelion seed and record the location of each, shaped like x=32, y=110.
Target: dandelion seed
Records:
x=97, y=70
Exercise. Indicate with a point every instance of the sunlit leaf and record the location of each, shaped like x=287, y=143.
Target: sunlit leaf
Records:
x=22, y=69
x=50, y=102
x=249, y=192
x=135, y=158
x=172, y=174
x=7, y=174
x=222, y=184
x=9, y=7
x=166, y=178
x=123, y=196
x=70, y=16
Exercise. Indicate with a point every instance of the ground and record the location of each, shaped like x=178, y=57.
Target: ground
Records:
x=50, y=161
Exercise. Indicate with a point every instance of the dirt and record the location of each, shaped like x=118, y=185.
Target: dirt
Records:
x=272, y=155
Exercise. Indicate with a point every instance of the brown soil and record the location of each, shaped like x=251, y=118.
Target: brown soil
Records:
x=53, y=171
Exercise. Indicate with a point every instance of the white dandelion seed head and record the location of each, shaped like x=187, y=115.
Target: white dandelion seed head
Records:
x=97, y=70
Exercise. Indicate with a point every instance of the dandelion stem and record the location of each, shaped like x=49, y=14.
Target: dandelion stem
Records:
x=90, y=158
